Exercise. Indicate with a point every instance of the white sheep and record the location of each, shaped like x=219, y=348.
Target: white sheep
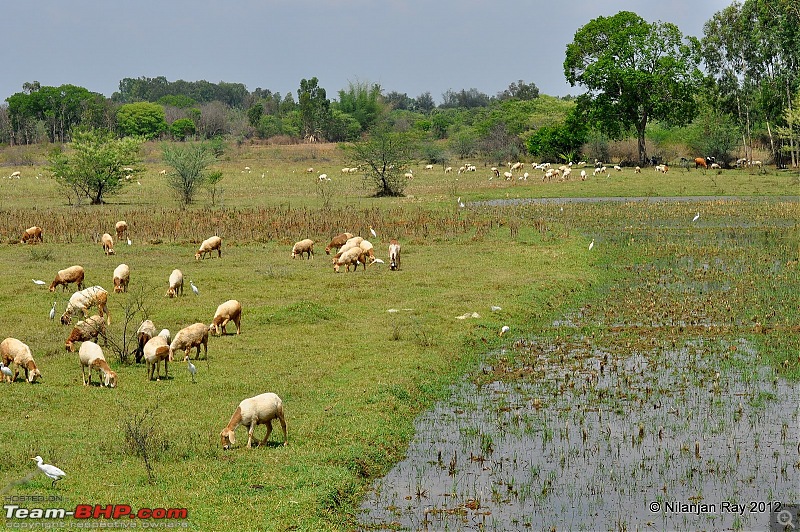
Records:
x=156, y=350
x=73, y=274
x=175, y=283
x=508, y=175
x=618, y=168
x=448, y=169
x=409, y=174
x=208, y=245
x=304, y=246
x=353, y=170
x=88, y=329
x=230, y=310
x=143, y=334
x=81, y=302
x=350, y=257
x=258, y=410
x=394, y=254
x=194, y=335
x=122, y=276
x=428, y=167
x=337, y=242
x=353, y=242
x=367, y=247
x=583, y=175
x=13, y=350
x=166, y=335
x=16, y=174
x=32, y=235
x=121, y=227
x=91, y=356
x=323, y=177
x=108, y=244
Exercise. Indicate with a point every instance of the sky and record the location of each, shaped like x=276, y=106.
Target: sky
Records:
x=408, y=46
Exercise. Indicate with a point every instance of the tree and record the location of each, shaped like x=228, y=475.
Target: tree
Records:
x=142, y=118
x=363, y=102
x=314, y=108
x=520, y=91
x=635, y=72
x=791, y=131
x=550, y=142
x=190, y=165
x=96, y=166
x=182, y=128
x=384, y=155
x=424, y=102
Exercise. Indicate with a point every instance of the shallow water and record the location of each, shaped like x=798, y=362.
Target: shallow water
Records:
x=592, y=438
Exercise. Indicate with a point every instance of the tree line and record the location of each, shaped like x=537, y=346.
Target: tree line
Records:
x=733, y=89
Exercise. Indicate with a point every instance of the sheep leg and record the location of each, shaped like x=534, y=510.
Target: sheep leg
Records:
x=83, y=373
x=224, y=323
x=250, y=435
x=269, y=431
x=283, y=426
x=149, y=371
x=165, y=368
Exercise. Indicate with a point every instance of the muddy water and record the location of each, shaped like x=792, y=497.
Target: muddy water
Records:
x=668, y=438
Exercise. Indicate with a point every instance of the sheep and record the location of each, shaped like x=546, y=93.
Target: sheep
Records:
x=108, y=244
x=121, y=228
x=91, y=356
x=448, y=169
x=353, y=242
x=145, y=331
x=258, y=410
x=394, y=254
x=194, y=335
x=367, y=247
x=515, y=166
x=662, y=168
x=583, y=175
x=508, y=175
x=323, y=177
x=304, y=246
x=88, y=329
x=166, y=335
x=12, y=350
x=715, y=166
x=409, y=174
x=85, y=299
x=32, y=235
x=350, y=257
x=16, y=174
x=310, y=169
x=122, y=276
x=428, y=167
x=337, y=242
x=353, y=170
x=637, y=170
x=155, y=350
x=231, y=310
x=618, y=168
x=73, y=274
x=495, y=171
x=175, y=283
x=209, y=245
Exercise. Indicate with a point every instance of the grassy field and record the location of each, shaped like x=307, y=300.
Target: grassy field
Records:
x=352, y=374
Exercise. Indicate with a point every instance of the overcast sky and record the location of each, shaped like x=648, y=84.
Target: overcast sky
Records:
x=409, y=46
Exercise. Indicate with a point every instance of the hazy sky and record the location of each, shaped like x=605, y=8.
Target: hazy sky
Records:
x=409, y=46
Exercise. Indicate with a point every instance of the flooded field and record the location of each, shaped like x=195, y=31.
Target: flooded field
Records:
x=660, y=406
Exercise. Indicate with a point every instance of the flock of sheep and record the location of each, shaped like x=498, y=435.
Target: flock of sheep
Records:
x=155, y=347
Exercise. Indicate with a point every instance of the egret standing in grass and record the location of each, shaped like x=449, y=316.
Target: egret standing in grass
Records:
x=50, y=470
x=38, y=281
x=194, y=288
x=591, y=244
x=129, y=242
x=192, y=368
x=696, y=217
x=372, y=232
x=53, y=311
x=6, y=371
x=504, y=330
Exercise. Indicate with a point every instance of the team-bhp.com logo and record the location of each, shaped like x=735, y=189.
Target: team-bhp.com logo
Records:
x=96, y=511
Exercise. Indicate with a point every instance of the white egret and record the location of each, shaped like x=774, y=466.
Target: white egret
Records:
x=192, y=368
x=379, y=261
x=372, y=231
x=50, y=470
x=194, y=288
x=459, y=200
x=6, y=371
x=39, y=282
x=129, y=242
x=495, y=308
x=696, y=217
x=591, y=244
x=461, y=204
x=53, y=311
x=504, y=330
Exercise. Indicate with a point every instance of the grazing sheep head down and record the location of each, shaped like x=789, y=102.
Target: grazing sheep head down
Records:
x=111, y=379
x=227, y=438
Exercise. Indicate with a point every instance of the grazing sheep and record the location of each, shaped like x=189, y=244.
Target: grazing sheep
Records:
x=73, y=274
x=122, y=276
x=394, y=254
x=32, y=235
x=165, y=334
x=88, y=329
x=121, y=228
x=108, y=244
x=175, y=283
x=194, y=335
x=155, y=350
x=323, y=177
x=367, y=247
x=209, y=245
x=16, y=174
x=353, y=242
x=304, y=246
x=637, y=170
x=448, y=169
x=81, y=302
x=337, y=242
x=231, y=310
x=428, y=167
x=91, y=356
x=145, y=331
x=715, y=166
x=12, y=350
x=350, y=257
x=663, y=168
x=258, y=410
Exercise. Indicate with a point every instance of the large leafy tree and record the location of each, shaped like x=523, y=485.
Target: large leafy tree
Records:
x=362, y=101
x=142, y=118
x=59, y=108
x=635, y=72
x=96, y=165
x=314, y=108
x=384, y=154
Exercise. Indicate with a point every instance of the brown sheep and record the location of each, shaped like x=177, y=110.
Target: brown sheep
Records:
x=12, y=350
x=338, y=241
x=231, y=310
x=84, y=330
x=32, y=235
x=351, y=257
x=81, y=302
x=122, y=228
x=145, y=331
x=108, y=244
x=73, y=274
x=194, y=335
